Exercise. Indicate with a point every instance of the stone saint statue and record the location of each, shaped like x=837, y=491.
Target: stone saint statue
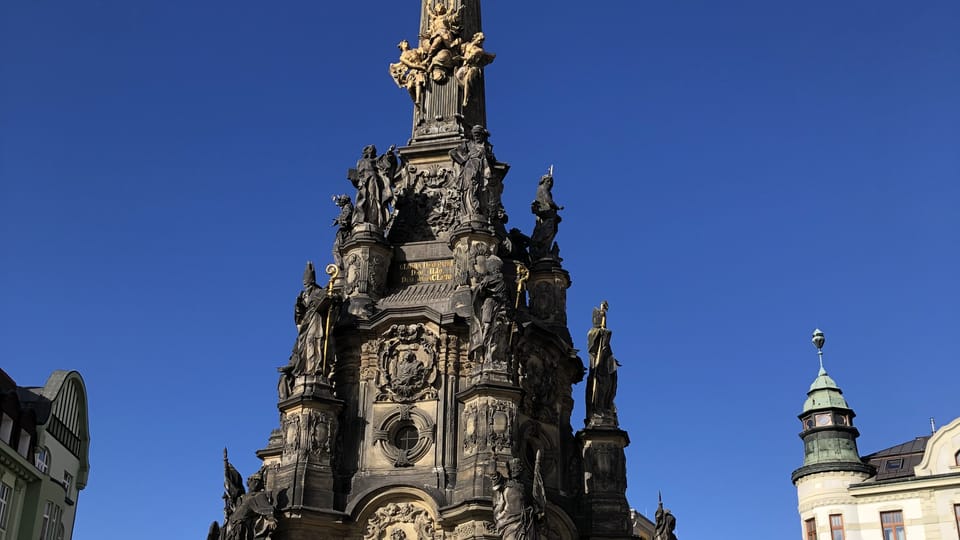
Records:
x=248, y=515
x=476, y=161
x=373, y=179
x=343, y=222
x=310, y=313
x=474, y=59
x=665, y=523
x=513, y=517
x=548, y=220
x=489, y=330
x=602, y=376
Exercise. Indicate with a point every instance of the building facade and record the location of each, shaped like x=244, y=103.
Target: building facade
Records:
x=429, y=393
x=910, y=491
x=44, y=456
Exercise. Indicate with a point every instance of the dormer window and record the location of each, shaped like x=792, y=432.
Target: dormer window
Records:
x=894, y=464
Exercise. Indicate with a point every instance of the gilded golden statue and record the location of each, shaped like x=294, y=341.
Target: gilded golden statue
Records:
x=474, y=58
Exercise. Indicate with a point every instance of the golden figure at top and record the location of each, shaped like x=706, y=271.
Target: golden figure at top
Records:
x=443, y=31
x=411, y=72
x=474, y=58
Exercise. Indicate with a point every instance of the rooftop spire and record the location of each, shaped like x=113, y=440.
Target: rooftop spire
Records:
x=818, y=341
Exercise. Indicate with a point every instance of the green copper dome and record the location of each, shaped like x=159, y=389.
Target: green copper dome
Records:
x=824, y=393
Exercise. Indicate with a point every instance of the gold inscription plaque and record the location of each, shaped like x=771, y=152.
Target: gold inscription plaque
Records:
x=411, y=273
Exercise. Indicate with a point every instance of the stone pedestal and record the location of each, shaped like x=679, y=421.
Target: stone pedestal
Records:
x=547, y=287
x=308, y=427
x=606, y=511
x=366, y=259
x=488, y=435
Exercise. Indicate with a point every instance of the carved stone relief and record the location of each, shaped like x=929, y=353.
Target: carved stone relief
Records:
x=428, y=204
x=291, y=435
x=488, y=425
x=321, y=427
x=605, y=468
x=475, y=529
x=538, y=378
x=470, y=261
x=400, y=521
x=407, y=364
x=548, y=300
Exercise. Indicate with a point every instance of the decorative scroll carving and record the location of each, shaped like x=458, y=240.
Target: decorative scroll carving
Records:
x=368, y=361
x=500, y=418
x=488, y=425
x=407, y=364
x=397, y=521
x=291, y=435
x=321, y=427
x=474, y=529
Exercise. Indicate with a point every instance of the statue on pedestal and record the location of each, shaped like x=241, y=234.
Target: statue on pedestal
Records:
x=476, y=161
x=548, y=220
x=373, y=179
x=343, y=222
x=313, y=314
x=602, y=376
x=248, y=515
x=489, y=329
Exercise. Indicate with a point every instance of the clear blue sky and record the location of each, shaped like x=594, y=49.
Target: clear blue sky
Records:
x=734, y=174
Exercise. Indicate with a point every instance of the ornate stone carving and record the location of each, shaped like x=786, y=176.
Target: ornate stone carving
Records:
x=605, y=468
x=401, y=423
x=470, y=261
x=368, y=361
x=500, y=418
x=321, y=427
x=602, y=377
x=396, y=521
x=542, y=243
x=474, y=58
x=407, y=364
x=291, y=435
x=441, y=42
x=427, y=205
x=373, y=178
x=474, y=529
x=538, y=378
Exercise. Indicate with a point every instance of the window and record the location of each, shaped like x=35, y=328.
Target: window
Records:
x=836, y=527
x=956, y=510
x=892, y=525
x=6, y=428
x=45, y=524
x=5, y=503
x=67, y=482
x=23, y=448
x=55, y=527
x=810, y=526
x=894, y=464
x=406, y=437
x=42, y=460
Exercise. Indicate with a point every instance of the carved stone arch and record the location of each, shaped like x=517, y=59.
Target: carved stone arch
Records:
x=558, y=525
x=398, y=513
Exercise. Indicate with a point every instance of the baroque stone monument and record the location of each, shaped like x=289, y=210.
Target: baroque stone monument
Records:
x=429, y=391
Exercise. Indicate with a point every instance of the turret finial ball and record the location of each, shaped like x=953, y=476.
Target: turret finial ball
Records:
x=818, y=339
